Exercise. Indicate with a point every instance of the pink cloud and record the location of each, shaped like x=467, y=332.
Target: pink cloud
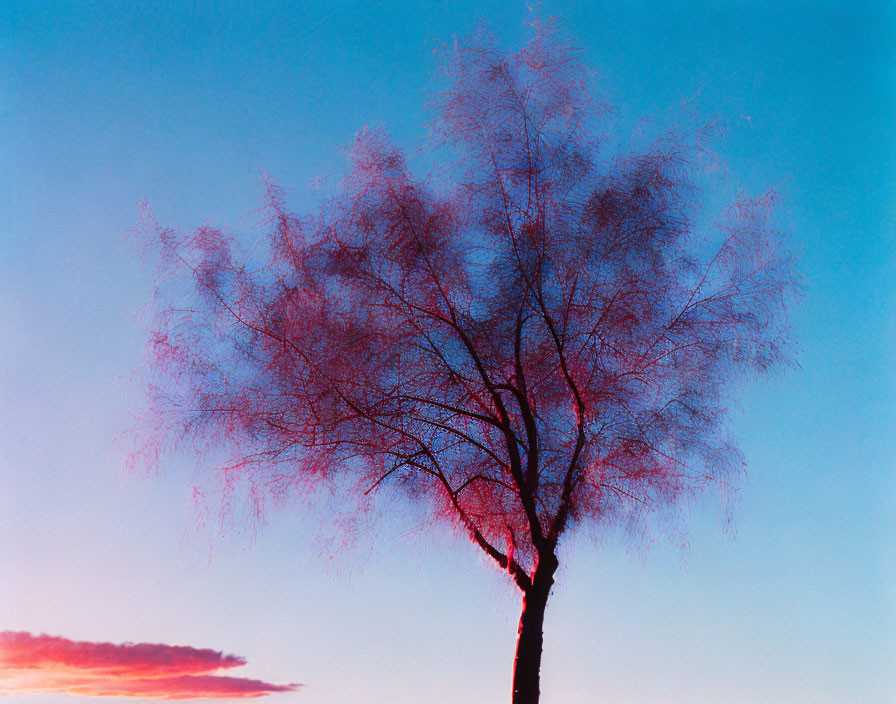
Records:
x=32, y=664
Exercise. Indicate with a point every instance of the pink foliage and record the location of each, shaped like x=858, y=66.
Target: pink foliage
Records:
x=533, y=346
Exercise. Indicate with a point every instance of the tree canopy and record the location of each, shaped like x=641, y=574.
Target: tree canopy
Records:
x=533, y=341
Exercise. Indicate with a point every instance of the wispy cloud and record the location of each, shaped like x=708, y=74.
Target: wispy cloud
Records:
x=40, y=664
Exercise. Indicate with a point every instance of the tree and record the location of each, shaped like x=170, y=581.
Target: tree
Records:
x=528, y=345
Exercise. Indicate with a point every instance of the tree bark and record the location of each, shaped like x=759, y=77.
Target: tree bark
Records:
x=527, y=664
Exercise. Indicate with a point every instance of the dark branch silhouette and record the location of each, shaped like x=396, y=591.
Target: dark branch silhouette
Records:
x=530, y=344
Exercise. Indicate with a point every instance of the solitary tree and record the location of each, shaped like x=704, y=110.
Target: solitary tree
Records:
x=542, y=340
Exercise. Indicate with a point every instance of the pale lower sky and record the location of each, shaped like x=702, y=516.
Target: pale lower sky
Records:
x=105, y=103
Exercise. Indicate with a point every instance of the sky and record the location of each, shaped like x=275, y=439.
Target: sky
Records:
x=104, y=104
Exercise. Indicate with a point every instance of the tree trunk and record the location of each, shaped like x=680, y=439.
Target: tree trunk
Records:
x=527, y=664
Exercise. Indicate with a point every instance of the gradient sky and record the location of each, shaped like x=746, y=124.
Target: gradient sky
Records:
x=104, y=103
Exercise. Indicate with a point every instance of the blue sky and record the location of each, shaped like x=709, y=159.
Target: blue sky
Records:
x=105, y=103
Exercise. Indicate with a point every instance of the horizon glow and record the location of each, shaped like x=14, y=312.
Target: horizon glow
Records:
x=42, y=664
